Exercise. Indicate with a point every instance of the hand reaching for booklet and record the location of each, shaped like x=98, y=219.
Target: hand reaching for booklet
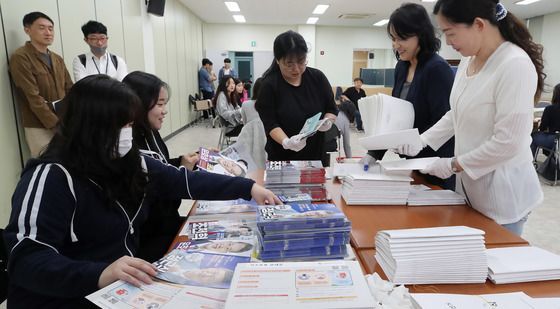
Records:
x=294, y=143
x=264, y=196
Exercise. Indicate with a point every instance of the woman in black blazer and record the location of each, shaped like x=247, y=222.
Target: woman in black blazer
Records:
x=422, y=77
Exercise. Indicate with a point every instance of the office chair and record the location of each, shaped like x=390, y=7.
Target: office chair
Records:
x=549, y=170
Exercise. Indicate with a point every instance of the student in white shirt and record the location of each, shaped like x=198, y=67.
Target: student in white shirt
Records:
x=98, y=60
x=497, y=82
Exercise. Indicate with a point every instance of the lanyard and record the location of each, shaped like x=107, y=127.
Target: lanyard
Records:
x=106, y=65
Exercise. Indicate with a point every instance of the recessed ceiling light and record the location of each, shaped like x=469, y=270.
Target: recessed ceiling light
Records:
x=312, y=20
x=232, y=6
x=320, y=9
x=525, y=2
x=239, y=18
x=382, y=22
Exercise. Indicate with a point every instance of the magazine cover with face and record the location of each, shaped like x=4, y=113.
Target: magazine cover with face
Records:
x=198, y=269
x=214, y=162
x=241, y=246
x=208, y=229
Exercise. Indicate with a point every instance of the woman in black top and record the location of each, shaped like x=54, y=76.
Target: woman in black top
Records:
x=422, y=77
x=163, y=222
x=291, y=93
x=550, y=123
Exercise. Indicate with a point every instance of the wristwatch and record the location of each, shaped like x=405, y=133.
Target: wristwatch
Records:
x=454, y=165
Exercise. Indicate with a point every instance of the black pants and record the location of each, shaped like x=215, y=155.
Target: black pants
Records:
x=208, y=95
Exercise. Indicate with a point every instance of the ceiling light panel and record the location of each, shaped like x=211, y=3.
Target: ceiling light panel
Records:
x=320, y=9
x=312, y=20
x=239, y=18
x=232, y=6
x=382, y=22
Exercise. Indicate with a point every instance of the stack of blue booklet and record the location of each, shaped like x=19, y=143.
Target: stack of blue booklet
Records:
x=302, y=232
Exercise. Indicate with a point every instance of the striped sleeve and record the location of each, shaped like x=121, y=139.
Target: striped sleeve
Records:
x=40, y=228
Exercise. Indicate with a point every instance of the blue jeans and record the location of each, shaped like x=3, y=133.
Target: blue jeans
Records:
x=517, y=227
x=359, y=123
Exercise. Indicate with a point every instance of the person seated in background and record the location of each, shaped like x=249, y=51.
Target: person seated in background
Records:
x=550, y=124
x=241, y=93
x=98, y=60
x=346, y=113
x=164, y=220
x=78, y=210
x=225, y=101
x=353, y=94
x=252, y=134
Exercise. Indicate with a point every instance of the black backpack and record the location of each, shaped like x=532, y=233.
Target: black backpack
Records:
x=113, y=60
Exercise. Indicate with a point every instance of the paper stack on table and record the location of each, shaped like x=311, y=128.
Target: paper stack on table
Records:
x=376, y=189
x=522, y=264
x=435, y=197
x=450, y=254
x=517, y=300
x=383, y=114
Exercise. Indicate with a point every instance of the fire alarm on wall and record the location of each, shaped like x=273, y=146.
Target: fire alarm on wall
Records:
x=322, y=52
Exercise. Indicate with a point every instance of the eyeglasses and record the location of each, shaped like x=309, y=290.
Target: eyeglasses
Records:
x=293, y=64
x=97, y=39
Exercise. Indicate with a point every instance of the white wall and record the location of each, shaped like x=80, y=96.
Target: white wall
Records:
x=551, y=43
x=169, y=46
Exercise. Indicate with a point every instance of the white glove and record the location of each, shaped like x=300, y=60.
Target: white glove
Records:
x=367, y=161
x=294, y=143
x=441, y=168
x=411, y=150
x=325, y=126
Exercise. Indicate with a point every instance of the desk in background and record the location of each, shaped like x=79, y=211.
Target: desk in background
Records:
x=368, y=220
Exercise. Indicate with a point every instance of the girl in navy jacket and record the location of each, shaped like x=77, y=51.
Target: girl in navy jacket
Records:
x=77, y=210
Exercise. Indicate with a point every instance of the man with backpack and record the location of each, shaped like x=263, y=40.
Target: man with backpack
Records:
x=98, y=60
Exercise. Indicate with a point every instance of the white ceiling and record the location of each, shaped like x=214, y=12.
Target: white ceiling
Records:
x=293, y=12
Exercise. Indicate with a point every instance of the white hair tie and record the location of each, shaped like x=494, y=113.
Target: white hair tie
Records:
x=501, y=12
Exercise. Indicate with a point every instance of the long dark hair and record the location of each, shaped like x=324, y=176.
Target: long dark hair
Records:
x=147, y=87
x=412, y=19
x=511, y=28
x=289, y=43
x=222, y=87
x=556, y=95
x=96, y=109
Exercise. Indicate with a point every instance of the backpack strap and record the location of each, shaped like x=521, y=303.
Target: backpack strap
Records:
x=82, y=59
x=115, y=61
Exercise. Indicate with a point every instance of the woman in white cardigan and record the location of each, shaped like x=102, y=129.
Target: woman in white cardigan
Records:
x=497, y=82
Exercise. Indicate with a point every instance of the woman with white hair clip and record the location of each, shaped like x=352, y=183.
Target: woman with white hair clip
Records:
x=491, y=116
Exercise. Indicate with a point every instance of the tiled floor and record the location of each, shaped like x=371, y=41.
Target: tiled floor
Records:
x=542, y=229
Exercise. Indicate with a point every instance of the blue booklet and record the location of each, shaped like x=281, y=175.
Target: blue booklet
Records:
x=198, y=269
x=303, y=234
x=320, y=252
x=312, y=124
x=301, y=243
x=298, y=213
x=287, y=227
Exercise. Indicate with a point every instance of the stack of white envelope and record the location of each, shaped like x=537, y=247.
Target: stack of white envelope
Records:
x=522, y=264
x=451, y=254
x=435, y=197
x=376, y=189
